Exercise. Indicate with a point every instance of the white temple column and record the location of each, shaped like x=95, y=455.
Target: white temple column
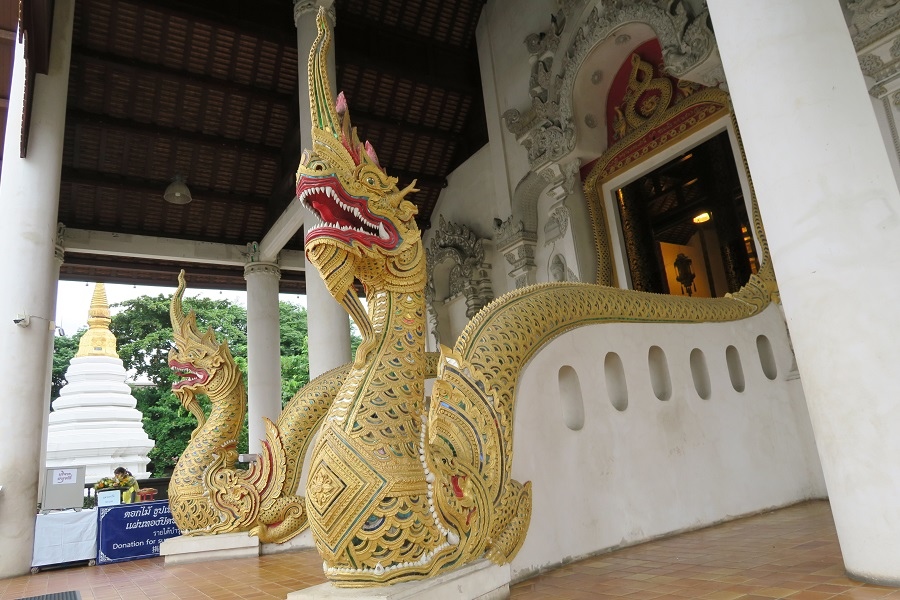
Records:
x=263, y=349
x=831, y=210
x=327, y=322
x=59, y=253
x=29, y=198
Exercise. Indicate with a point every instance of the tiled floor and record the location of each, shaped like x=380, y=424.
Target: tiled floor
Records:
x=790, y=553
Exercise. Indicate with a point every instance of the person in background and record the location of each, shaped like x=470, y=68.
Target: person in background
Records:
x=126, y=480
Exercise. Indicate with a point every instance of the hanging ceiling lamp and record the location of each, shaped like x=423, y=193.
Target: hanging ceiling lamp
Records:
x=177, y=192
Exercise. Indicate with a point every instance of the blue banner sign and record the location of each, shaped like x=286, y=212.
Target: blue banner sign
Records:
x=130, y=531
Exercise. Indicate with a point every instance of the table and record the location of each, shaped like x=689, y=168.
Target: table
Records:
x=64, y=537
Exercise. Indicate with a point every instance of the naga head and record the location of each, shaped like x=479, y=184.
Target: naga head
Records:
x=202, y=364
x=367, y=228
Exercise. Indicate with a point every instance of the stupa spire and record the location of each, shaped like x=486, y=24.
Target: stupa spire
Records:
x=98, y=340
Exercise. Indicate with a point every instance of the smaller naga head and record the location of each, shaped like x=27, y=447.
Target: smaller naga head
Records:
x=367, y=229
x=198, y=359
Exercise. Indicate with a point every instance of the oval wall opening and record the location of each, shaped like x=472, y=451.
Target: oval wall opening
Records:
x=572, y=399
x=766, y=357
x=659, y=373
x=616, y=386
x=700, y=373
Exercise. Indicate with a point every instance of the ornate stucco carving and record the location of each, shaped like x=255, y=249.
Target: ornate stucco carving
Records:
x=559, y=271
x=868, y=19
x=538, y=129
x=469, y=275
x=688, y=44
x=547, y=129
x=878, y=42
x=557, y=224
x=563, y=180
x=519, y=231
x=877, y=31
x=870, y=64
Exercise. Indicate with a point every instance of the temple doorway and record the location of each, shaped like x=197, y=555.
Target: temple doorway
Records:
x=685, y=225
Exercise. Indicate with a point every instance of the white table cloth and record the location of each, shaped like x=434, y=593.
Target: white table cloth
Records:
x=65, y=536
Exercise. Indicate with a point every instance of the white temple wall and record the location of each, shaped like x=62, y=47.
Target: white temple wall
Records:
x=657, y=466
x=505, y=71
x=467, y=197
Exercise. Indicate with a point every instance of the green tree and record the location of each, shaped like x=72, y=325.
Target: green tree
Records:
x=294, y=350
x=64, y=350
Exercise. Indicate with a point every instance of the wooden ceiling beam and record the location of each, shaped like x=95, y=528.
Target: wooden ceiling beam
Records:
x=153, y=186
x=79, y=116
x=367, y=119
x=394, y=52
x=166, y=273
x=137, y=67
x=260, y=18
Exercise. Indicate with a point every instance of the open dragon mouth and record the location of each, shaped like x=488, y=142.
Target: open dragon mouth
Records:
x=190, y=375
x=342, y=216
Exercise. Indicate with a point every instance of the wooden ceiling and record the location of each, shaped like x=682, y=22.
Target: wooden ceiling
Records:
x=208, y=90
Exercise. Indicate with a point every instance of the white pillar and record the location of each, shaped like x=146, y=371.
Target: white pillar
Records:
x=327, y=322
x=831, y=209
x=263, y=349
x=29, y=198
x=59, y=253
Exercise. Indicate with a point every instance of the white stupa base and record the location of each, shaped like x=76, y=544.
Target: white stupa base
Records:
x=95, y=423
x=481, y=580
x=196, y=548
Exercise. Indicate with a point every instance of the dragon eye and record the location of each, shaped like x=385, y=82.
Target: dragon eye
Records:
x=370, y=180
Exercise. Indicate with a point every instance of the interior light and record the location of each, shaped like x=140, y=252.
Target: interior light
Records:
x=177, y=192
x=701, y=218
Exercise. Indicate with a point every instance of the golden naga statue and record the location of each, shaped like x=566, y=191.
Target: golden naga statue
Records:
x=208, y=495
x=402, y=487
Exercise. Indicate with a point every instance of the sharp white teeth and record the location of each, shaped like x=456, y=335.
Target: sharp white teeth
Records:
x=382, y=232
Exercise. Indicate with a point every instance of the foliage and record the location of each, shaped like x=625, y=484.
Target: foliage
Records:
x=64, y=350
x=294, y=350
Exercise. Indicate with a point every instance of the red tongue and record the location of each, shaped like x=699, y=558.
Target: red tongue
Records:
x=330, y=213
x=327, y=210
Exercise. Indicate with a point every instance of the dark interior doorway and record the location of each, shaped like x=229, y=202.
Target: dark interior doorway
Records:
x=685, y=225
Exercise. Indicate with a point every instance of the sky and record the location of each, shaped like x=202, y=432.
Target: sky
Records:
x=74, y=299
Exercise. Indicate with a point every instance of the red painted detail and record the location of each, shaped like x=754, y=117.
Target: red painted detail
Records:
x=457, y=489
x=330, y=212
x=194, y=375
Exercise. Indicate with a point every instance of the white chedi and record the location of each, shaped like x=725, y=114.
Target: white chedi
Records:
x=94, y=421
